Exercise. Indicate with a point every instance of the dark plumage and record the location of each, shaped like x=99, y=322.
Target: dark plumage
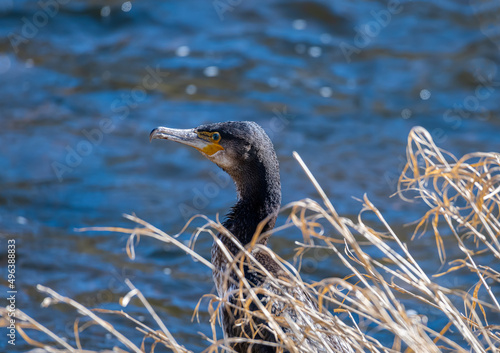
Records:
x=246, y=153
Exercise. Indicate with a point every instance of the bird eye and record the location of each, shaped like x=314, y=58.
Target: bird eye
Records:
x=216, y=136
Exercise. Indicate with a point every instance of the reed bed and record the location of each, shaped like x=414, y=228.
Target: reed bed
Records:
x=463, y=199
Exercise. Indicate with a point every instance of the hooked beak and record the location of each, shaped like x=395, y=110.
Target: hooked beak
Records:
x=187, y=137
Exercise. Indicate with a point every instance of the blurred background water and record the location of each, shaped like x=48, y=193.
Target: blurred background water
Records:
x=82, y=83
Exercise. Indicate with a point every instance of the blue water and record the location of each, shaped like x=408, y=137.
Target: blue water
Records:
x=82, y=84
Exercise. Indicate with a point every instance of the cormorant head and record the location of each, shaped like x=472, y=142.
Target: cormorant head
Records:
x=246, y=153
x=241, y=148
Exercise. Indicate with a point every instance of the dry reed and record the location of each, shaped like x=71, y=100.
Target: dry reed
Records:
x=463, y=196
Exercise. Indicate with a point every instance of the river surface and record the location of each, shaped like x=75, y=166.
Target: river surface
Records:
x=82, y=83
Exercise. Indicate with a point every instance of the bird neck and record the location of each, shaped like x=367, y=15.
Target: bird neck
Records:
x=259, y=198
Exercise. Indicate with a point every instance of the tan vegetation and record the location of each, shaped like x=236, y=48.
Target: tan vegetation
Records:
x=463, y=197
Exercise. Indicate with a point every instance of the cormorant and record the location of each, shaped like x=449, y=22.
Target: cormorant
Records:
x=245, y=152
